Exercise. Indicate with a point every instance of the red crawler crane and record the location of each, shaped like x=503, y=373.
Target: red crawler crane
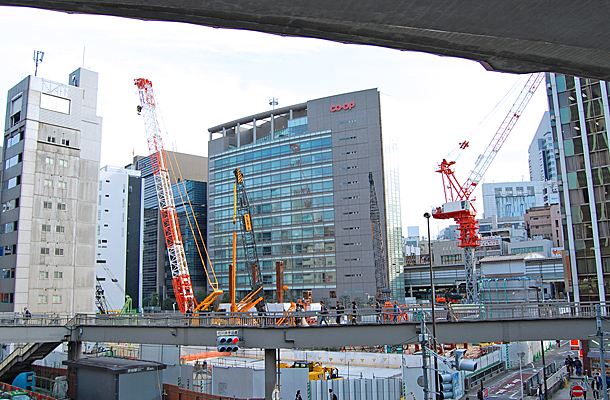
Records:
x=458, y=205
x=181, y=278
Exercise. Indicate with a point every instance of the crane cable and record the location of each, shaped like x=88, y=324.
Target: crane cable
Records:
x=213, y=284
x=458, y=151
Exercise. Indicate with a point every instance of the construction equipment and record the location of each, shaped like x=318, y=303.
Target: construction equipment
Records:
x=255, y=297
x=381, y=265
x=458, y=203
x=316, y=370
x=100, y=299
x=181, y=278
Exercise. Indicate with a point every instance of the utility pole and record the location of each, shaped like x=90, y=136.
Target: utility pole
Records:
x=602, y=358
x=423, y=339
x=546, y=389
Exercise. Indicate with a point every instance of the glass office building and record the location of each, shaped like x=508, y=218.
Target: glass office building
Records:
x=579, y=119
x=306, y=169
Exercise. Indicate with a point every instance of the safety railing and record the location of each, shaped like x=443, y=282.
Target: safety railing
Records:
x=363, y=316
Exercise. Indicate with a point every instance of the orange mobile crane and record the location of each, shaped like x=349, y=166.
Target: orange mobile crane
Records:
x=181, y=278
x=242, y=207
x=458, y=204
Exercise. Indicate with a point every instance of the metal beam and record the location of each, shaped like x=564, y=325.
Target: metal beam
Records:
x=512, y=36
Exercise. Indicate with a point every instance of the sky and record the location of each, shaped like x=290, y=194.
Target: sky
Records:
x=204, y=76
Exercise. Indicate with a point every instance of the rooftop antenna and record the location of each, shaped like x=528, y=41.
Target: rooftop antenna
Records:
x=273, y=102
x=38, y=55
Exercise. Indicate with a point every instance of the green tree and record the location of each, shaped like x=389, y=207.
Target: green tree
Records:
x=168, y=304
x=345, y=300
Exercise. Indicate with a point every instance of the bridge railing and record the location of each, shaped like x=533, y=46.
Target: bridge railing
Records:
x=18, y=319
x=365, y=315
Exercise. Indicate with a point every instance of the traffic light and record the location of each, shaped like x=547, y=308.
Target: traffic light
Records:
x=461, y=363
x=227, y=344
x=446, y=382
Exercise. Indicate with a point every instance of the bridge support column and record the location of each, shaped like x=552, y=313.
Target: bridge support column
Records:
x=270, y=373
x=75, y=350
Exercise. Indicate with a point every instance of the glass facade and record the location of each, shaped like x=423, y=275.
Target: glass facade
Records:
x=579, y=118
x=305, y=169
x=394, y=221
x=156, y=273
x=290, y=188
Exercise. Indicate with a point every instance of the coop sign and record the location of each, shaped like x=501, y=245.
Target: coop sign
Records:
x=345, y=106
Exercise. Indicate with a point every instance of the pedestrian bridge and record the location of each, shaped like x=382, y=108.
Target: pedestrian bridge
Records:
x=467, y=324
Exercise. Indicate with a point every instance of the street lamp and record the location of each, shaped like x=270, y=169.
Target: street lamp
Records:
x=427, y=216
x=521, y=355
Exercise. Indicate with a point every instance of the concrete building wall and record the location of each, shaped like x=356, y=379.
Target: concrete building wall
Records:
x=55, y=144
x=116, y=186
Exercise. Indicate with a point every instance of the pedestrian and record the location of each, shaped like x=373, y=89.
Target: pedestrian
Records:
x=585, y=388
x=396, y=310
x=354, y=316
x=607, y=380
x=378, y=310
x=340, y=310
x=598, y=381
x=540, y=392
x=298, y=396
x=558, y=343
x=26, y=315
x=331, y=395
x=323, y=314
x=578, y=366
x=570, y=364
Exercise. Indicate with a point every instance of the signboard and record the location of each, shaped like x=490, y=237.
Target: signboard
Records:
x=491, y=241
x=230, y=332
x=577, y=391
x=346, y=106
x=485, y=394
x=557, y=252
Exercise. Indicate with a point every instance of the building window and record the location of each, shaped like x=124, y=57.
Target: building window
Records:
x=61, y=206
x=47, y=205
x=44, y=274
x=63, y=163
x=62, y=185
x=59, y=252
x=65, y=142
x=46, y=228
x=6, y=297
x=48, y=183
x=49, y=160
x=9, y=205
x=8, y=227
x=9, y=249
x=58, y=275
x=10, y=142
x=352, y=244
x=333, y=294
x=56, y=299
x=60, y=228
x=11, y=162
x=51, y=139
x=44, y=250
x=8, y=273
x=42, y=299
x=11, y=183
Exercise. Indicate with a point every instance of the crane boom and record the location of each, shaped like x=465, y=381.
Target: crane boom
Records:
x=381, y=267
x=249, y=242
x=181, y=278
x=458, y=204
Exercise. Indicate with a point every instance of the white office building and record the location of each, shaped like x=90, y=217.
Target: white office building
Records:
x=120, y=235
x=49, y=199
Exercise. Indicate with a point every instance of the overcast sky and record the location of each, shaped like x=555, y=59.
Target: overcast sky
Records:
x=203, y=77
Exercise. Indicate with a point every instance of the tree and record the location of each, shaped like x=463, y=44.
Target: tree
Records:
x=151, y=301
x=168, y=304
x=345, y=300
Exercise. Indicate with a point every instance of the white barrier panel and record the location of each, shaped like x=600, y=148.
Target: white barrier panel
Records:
x=357, y=389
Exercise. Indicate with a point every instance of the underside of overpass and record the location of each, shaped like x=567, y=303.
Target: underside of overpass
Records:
x=512, y=36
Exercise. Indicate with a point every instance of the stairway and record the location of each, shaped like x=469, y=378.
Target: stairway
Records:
x=20, y=360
